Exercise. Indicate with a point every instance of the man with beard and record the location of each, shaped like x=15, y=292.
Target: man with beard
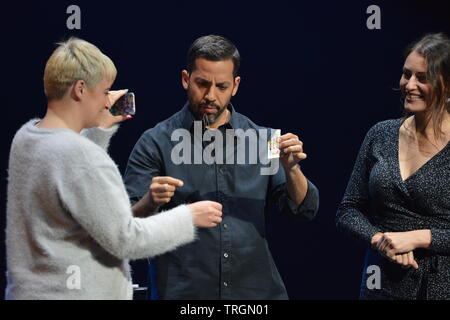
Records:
x=232, y=260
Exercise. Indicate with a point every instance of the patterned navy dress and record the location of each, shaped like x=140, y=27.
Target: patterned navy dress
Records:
x=377, y=199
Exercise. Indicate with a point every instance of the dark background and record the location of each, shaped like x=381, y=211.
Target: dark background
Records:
x=311, y=68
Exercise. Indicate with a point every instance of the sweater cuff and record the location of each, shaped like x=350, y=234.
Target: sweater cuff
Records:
x=183, y=223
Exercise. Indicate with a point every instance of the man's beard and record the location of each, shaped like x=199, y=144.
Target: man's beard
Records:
x=210, y=118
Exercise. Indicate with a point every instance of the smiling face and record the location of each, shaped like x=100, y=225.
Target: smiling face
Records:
x=210, y=87
x=415, y=85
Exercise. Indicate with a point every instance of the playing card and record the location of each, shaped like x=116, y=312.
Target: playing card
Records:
x=273, y=145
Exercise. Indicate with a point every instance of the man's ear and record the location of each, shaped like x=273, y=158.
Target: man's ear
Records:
x=237, y=81
x=78, y=90
x=185, y=79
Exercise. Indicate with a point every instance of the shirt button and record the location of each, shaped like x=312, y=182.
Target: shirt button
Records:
x=225, y=255
x=225, y=284
x=225, y=226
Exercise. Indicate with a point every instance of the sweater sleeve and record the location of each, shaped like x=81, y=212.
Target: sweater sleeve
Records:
x=352, y=214
x=100, y=136
x=97, y=200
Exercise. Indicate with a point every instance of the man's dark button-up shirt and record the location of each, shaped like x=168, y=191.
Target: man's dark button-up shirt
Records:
x=232, y=260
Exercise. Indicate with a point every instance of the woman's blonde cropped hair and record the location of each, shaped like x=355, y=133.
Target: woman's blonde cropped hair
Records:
x=74, y=60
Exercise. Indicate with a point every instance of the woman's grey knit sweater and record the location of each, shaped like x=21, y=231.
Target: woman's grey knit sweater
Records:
x=70, y=229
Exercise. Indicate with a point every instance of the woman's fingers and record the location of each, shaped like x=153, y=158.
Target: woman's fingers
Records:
x=115, y=95
x=385, y=246
x=413, y=261
x=406, y=260
x=382, y=244
x=398, y=259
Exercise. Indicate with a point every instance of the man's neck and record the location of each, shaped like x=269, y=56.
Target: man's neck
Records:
x=224, y=118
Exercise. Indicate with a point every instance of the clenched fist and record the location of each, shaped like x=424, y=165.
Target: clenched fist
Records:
x=206, y=214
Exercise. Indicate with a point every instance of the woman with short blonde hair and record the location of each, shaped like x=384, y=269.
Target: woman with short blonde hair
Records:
x=70, y=225
x=73, y=60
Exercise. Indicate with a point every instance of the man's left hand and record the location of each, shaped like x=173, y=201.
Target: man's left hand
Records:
x=291, y=149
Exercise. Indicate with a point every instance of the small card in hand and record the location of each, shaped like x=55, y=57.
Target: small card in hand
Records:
x=273, y=145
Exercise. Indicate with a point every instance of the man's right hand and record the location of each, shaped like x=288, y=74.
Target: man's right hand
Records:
x=206, y=214
x=162, y=189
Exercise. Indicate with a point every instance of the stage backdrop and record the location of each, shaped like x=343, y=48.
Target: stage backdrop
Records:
x=325, y=70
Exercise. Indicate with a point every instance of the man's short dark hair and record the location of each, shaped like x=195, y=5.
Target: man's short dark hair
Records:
x=213, y=48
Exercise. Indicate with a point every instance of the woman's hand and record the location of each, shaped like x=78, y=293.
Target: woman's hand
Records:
x=405, y=259
x=374, y=241
x=206, y=214
x=107, y=119
x=393, y=243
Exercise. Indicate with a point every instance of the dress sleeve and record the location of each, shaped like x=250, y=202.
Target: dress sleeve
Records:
x=440, y=241
x=352, y=214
